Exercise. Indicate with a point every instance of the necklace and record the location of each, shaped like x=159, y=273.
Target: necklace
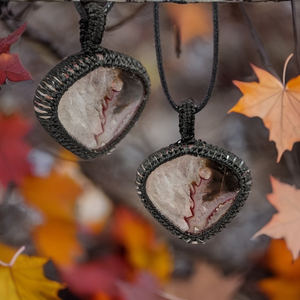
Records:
x=192, y=188
x=91, y=100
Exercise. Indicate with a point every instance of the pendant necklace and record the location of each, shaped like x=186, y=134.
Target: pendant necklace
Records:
x=192, y=188
x=91, y=100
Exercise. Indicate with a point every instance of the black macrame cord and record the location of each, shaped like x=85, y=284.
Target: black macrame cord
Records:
x=160, y=59
x=217, y=160
x=73, y=68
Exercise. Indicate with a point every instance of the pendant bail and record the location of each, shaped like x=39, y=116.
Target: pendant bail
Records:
x=92, y=23
x=187, y=110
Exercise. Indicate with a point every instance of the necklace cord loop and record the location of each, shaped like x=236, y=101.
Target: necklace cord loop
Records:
x=160, y=59
x=187, y=110
x=92, y=23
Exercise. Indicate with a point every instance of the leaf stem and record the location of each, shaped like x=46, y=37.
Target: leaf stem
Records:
x=295, y=30
x=284, y=68
x=13, y=260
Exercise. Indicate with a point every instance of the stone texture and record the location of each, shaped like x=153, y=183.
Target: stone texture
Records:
x=97, y=108
x=192, y=192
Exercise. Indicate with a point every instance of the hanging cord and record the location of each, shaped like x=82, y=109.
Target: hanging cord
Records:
x=160, y=59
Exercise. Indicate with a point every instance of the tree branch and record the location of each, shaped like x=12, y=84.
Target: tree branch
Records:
x=140, y=1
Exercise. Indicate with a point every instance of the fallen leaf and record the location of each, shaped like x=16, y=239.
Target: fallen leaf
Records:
x=6, y=42
x=143, y=250
x=279, y=260
x=286, y=223
x=192, y=20
x=13, y=149
x=208, y=282
x=277, y=104
x=10, y=65
x=279, y=289
x=22, y=277
x=285, y=282
x=55, y=198
x=97, y=277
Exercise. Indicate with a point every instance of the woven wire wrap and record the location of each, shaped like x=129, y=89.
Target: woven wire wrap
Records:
x=67, y=72
x=199, y=149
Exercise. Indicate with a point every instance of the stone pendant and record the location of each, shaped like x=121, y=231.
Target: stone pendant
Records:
x=193, y=188
x=90, y=100
x=88, y=104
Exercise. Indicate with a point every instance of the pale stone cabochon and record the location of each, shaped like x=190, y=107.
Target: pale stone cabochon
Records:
x=99, y=106
x=192, y=192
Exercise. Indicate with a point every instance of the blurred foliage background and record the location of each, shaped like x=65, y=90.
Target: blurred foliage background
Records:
x=85, y=215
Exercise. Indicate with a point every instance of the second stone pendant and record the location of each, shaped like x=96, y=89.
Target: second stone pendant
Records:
x=193, y=188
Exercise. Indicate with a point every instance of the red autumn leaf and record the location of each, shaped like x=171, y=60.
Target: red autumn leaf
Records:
x=10, y=65
x=11, y=68
x=13, y=149
x=6, y=42
x=95, y=277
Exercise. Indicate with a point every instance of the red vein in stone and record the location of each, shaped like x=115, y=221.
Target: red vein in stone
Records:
x=192, y=193
x=104, y=109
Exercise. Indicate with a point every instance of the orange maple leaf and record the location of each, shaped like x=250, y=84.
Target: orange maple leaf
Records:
x=55, y=197
x=285, y=283
x=193, y=20
x=23, y=277
x=144, y=251
x=286, y=223
x=277, y=104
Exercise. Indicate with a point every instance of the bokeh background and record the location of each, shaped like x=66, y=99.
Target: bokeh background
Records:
x=86, y=215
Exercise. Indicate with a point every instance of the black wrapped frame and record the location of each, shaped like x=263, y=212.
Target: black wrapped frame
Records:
x=60, y=78
x=199, y=149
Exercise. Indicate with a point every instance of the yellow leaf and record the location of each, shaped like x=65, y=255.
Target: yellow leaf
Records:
x=276, y=104
x=24, y=279
x=55, y=198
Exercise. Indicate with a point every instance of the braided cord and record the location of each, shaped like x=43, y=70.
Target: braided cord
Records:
x=92, y=23
x=160, y=59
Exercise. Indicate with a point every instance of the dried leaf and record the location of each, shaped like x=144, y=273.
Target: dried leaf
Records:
x=279, y=289
x=55, y=197
x=11, y=68
x=285, y=283
x=278, y=105
x=143, y=250
x=192, y=20
x=13, y=149
x=286, y=223
x=97, y=277
x=206, y=281
x=24, y=279
x=10, y=65
x=6, y=42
